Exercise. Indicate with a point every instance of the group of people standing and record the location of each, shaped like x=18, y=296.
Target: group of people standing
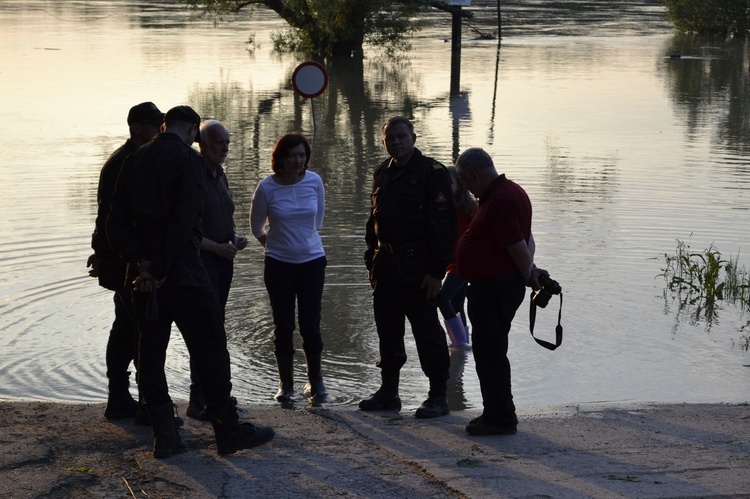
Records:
x=165, y=242
x=423, y=225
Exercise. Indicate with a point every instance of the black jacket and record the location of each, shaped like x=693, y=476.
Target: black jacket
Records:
x=111, y=268
x=413, y=222
x=156, y=210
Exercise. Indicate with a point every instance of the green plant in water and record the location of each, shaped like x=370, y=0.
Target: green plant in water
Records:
x=695, y=273
x=702, y=279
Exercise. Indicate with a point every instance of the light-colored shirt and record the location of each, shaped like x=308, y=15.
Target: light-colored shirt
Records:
x=290, y=217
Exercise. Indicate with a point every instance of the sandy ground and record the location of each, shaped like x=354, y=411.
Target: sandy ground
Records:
x=61, y=450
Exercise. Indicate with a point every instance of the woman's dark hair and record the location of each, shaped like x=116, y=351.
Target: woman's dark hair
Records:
x=284, y=145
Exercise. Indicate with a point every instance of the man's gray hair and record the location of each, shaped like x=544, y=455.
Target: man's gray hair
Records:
x=474, y=158
x=205, y=127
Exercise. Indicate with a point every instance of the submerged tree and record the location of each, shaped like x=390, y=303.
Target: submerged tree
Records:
x=710, y=17
x=332, y=27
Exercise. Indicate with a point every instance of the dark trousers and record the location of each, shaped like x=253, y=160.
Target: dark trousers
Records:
x=197, y=314
x=122, y=345
x=220, y=272
x=452, y=297
x=392, y=305
x=492, y=306
x=300, y=284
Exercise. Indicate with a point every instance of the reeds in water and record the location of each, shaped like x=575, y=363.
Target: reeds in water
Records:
x=700, y=280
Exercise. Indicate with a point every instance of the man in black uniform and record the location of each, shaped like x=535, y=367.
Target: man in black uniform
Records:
x=144, y=121
x=410, y=237
x=154, y=225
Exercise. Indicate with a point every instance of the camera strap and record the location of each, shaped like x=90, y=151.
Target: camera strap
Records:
x=558, y=329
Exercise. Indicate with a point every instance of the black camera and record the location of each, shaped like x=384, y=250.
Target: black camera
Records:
x=550, y=287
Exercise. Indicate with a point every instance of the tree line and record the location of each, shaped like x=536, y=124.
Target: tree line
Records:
x=324, y=28
x=333, y=27
x=710, y=17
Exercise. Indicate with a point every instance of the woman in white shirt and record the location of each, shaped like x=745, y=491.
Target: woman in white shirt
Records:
x=286, y=214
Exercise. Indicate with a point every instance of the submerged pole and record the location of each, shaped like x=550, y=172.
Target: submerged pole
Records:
x=456, y=52
x=499, y=23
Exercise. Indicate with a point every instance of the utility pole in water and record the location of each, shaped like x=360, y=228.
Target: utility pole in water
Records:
x=456, y=51
x=457, y=15
x=499, y=23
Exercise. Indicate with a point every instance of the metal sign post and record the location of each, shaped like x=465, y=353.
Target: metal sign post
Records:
x=309, y=80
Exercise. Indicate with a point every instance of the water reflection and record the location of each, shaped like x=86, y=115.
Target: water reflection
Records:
x=582, y=122
x=455, y=393
x=707, y=80
x=571, y=183
x=346, y=149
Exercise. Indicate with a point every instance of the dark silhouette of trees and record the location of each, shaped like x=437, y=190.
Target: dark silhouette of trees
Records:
x=710, y=17
x=332, y=27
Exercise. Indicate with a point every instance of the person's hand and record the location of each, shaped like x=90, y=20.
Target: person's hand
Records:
x=95, y=264
x=226, y=250
x=431, y=285
x=536, y=273
x=262, y=240
x=240, y=242
x=145, y=281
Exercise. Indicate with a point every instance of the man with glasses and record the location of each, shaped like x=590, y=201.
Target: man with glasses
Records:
x=496, y=256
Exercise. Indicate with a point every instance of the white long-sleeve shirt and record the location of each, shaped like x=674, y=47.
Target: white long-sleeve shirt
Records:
x=293, y=215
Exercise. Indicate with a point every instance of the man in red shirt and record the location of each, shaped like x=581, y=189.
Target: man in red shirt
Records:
x=496, y=255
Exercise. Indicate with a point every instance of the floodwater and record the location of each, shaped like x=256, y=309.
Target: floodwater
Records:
x=622, y=149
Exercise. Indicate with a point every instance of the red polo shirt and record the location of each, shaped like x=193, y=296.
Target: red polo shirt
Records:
x=503, y=219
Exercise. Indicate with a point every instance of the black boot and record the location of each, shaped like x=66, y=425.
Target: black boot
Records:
x=167, y=441
x=315, y=390
x=142, y=417
x=231, y=435
x=386, y=397
x=285, y=364
x=120, y=404
x=196, y=408
x=436, y=403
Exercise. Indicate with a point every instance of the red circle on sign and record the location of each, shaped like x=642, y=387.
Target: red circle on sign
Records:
x=310, y=79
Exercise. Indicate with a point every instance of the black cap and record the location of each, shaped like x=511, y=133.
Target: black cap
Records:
x=183, y=113
x=145, y=112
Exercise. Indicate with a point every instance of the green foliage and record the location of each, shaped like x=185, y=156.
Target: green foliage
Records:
x=710, y=17
x=697, y=274
x=700, y=280
x=329, y=27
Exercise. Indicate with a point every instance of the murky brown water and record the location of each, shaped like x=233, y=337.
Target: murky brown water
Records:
x=621, y=149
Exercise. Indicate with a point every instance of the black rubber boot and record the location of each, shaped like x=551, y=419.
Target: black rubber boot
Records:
x=120, y=403
x=285, y=364
x=196, y=408
x=167, y=442
x=231, y=435
x=386, y=397
x=315, y=389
